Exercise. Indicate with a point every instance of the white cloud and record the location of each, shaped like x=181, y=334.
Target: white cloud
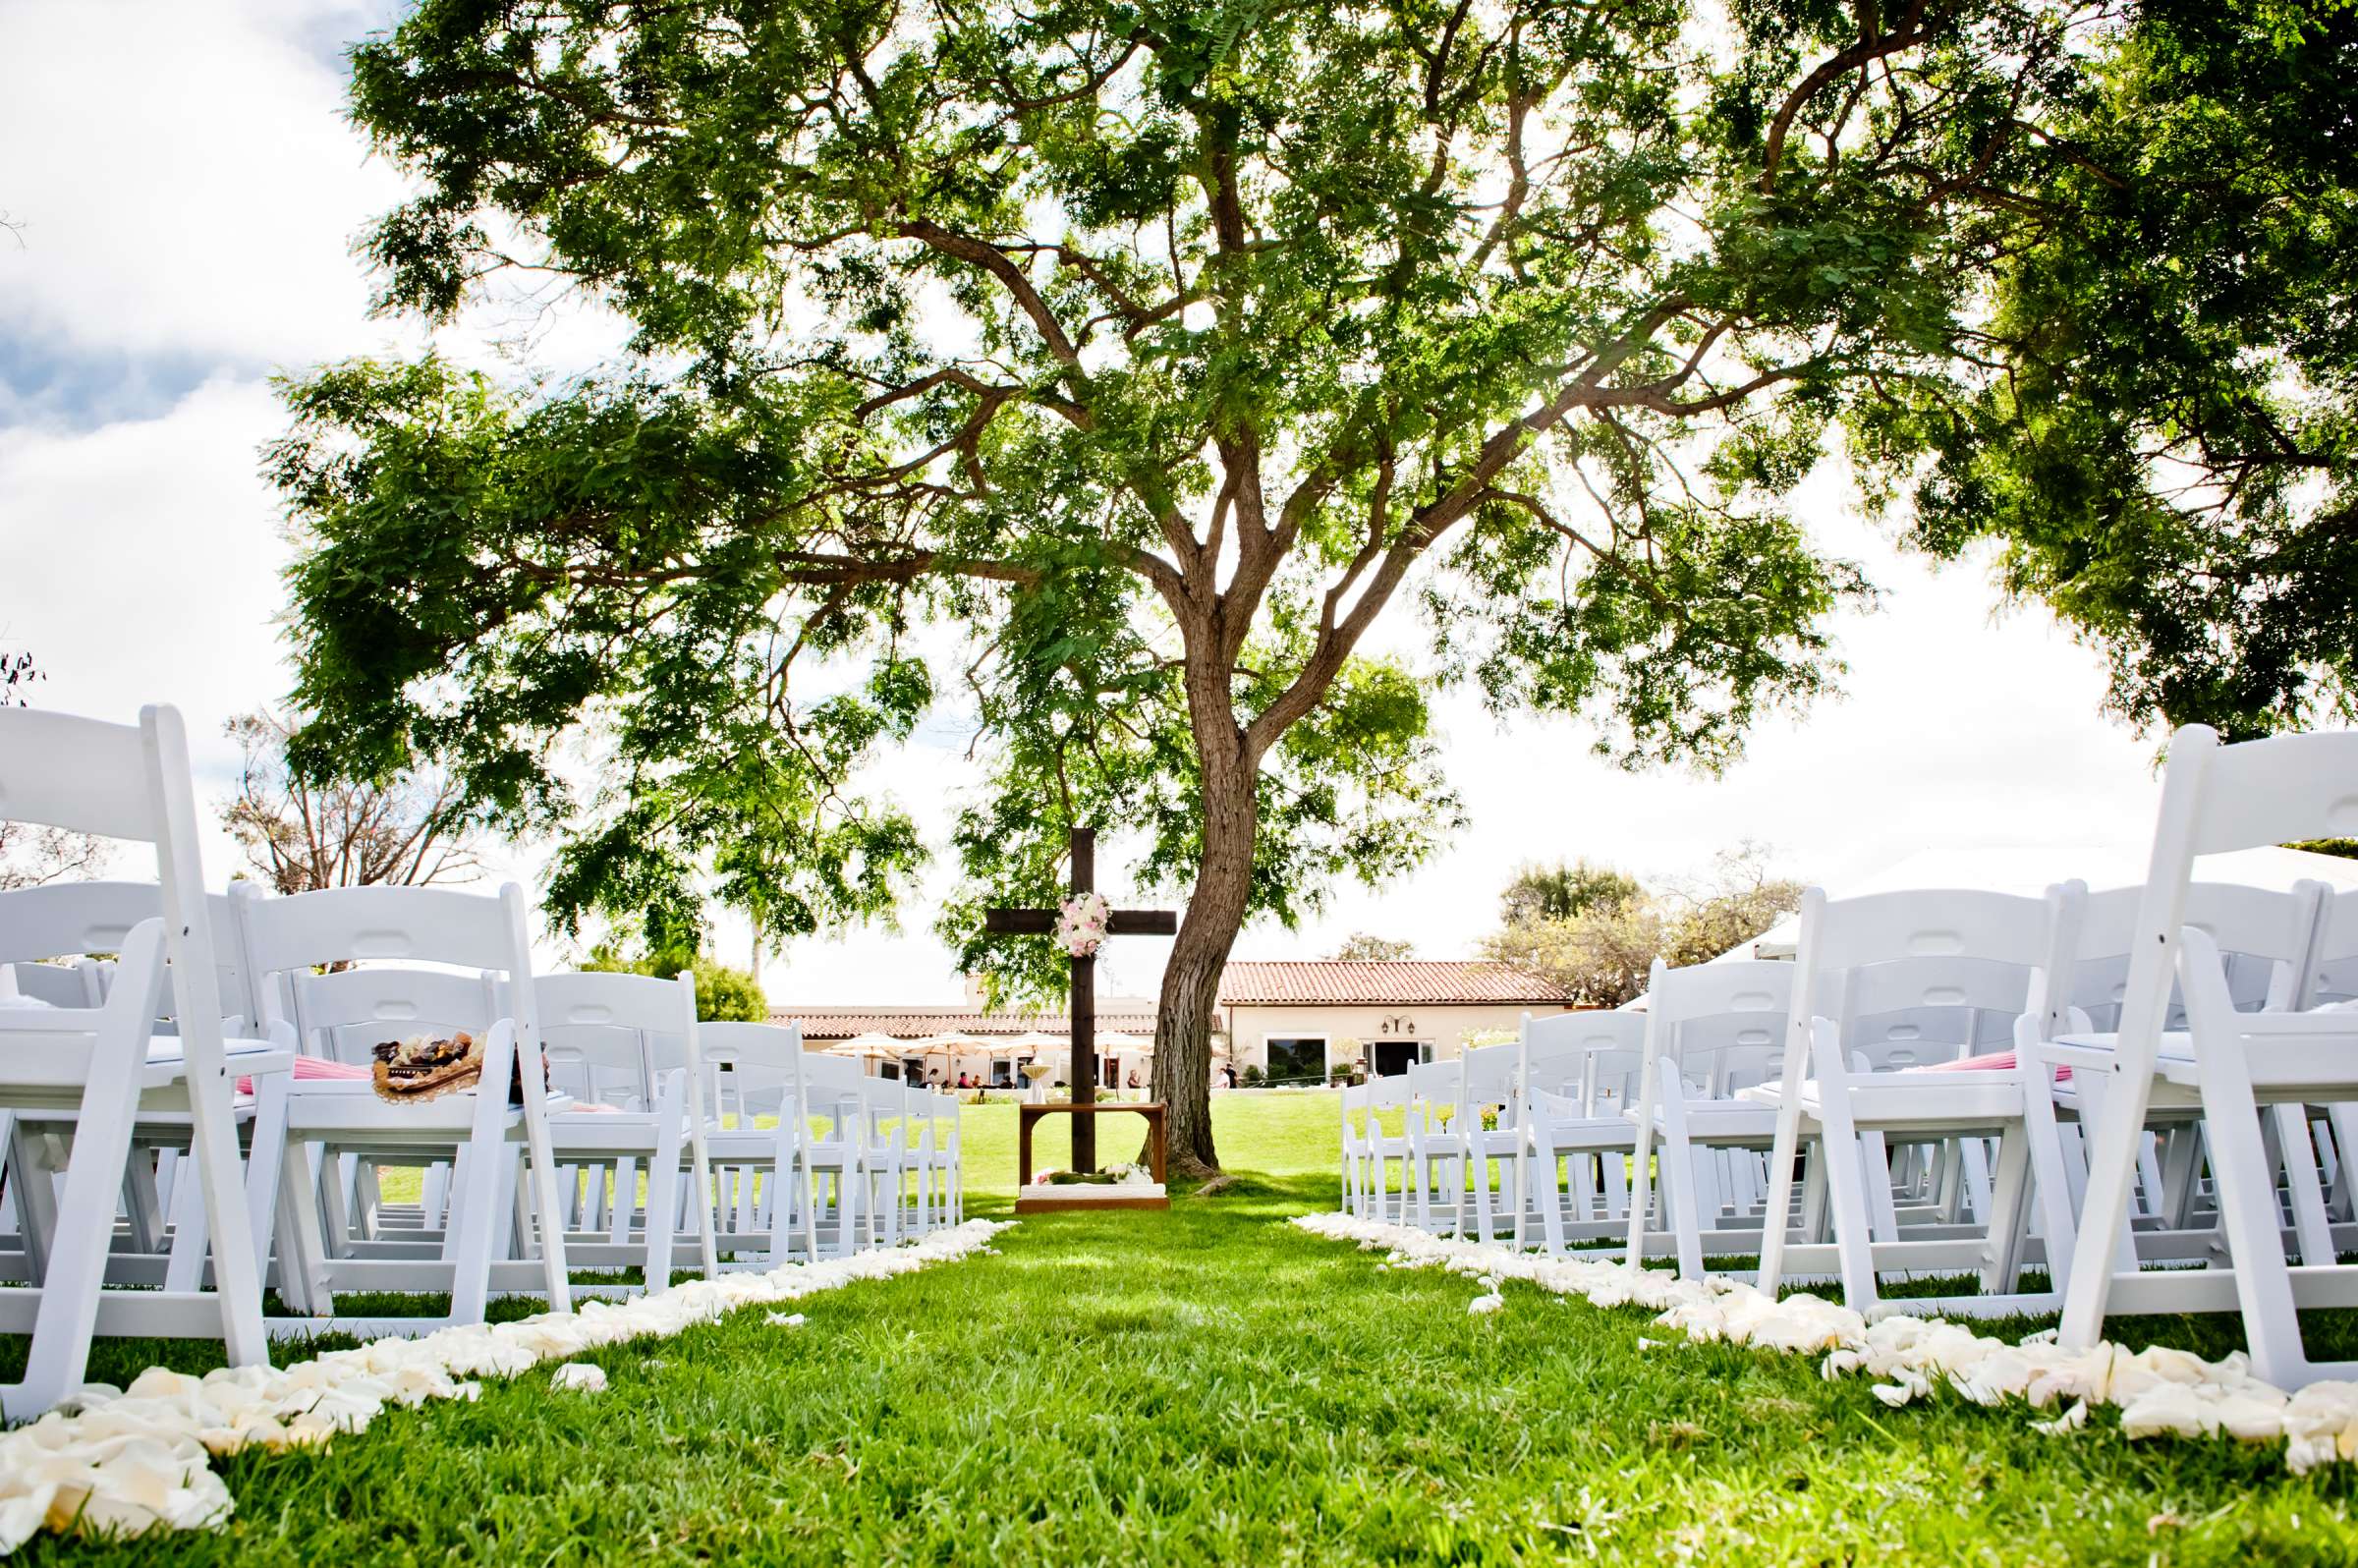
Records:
x=185, y=181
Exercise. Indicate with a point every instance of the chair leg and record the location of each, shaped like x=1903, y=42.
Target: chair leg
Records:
x=2247, y=1212
x=1551, y=1208
x=2007, y=1206
x=2301, y=1184
x=1483, y=1172
x=1678, y=1157
x=303, y=1276
x=68, y=1312
x=1777, y=1209
x=2051, y=1183
x=1846, y=1190
x=662, y=1189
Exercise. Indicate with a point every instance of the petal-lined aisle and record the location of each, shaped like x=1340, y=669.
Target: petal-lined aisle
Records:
x=139, y=1459
x=2159, y=1391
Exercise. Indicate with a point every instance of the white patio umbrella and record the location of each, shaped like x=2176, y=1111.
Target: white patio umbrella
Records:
x=873, y=1047
x=1114, y=1039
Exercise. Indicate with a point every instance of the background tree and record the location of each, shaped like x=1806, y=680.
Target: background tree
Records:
x=1162, y=351
x=1739, y=900
x=1360, y=946
x=1600, y=956
x=1564, y=890
x=1601, y=951
x=303, y=835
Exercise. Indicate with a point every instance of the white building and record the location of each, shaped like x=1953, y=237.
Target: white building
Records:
x=1304, y=1021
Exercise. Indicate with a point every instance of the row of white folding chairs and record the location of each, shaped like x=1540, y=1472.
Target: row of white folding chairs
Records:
x=97, y=1105
x=598, y=1030
x=1881, y=988
x=2230, y=1053
x=1903, y=981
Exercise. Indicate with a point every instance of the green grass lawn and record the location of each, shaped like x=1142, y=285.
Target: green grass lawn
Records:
x=1211, y=1386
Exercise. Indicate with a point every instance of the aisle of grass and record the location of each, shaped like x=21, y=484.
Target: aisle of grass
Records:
x=1211, y=1386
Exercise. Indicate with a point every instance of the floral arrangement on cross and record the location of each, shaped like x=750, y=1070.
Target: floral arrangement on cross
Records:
x=1081, y=924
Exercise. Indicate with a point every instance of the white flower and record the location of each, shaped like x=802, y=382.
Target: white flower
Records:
x=2159, y=1391
x=1081, y=924
x=788, y=1320
x=582, y=1377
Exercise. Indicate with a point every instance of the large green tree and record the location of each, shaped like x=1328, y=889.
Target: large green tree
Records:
x=1108, y=372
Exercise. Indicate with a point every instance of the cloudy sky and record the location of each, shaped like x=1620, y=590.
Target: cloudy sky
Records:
x=186, y=192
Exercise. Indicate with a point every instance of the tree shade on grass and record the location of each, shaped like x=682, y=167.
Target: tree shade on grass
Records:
x=1249, y=1394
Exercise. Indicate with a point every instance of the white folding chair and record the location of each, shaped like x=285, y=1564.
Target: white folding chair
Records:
x=2227, y=1063
x=1387, y=1091
x=887, y=1155
x=771, y=1177
x=2262, y=933
x=1948, y=949
x=1698, y=1017
x=1575, y=1073
x=88, y=1075
x=1486, y=1093
x=643, y=1028
x=1354, y=1147
x=838, y=1091
x=70, y=921
x=1437, y=1147
x=476, y=1131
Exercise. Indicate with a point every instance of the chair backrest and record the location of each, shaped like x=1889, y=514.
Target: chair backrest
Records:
x=1489, y=1074
x=71, y=920
x=344, y=1014
x=130, y=782
x=2332, y=969
x=399, y=929
x=1590, y=1056
x=2217, y=798
x=1354, y=1099
x=1433, y=1089
x=1387, y=1091
x=1937, y=949
x=835, y=1086
x=757, y=1068
x=1915, y=1012
x=62, y=1045
x=1724, y=1024
x=606, y=1031
x=2262, y=932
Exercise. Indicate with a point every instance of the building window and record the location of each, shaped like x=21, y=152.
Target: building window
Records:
x=1297, y=1059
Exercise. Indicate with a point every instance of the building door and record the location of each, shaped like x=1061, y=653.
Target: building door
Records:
x=1391, y=1057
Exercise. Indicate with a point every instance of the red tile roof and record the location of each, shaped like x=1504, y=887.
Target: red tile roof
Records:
x=1382, y=982
x=821, y=1023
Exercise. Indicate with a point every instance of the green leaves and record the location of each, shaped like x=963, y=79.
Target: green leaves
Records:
x=1114, y=369
x=2166, y=459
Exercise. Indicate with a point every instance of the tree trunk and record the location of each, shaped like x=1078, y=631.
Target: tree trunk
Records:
x=1191, y=982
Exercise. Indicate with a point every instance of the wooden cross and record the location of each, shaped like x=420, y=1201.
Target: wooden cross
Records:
x=1084, y=1008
